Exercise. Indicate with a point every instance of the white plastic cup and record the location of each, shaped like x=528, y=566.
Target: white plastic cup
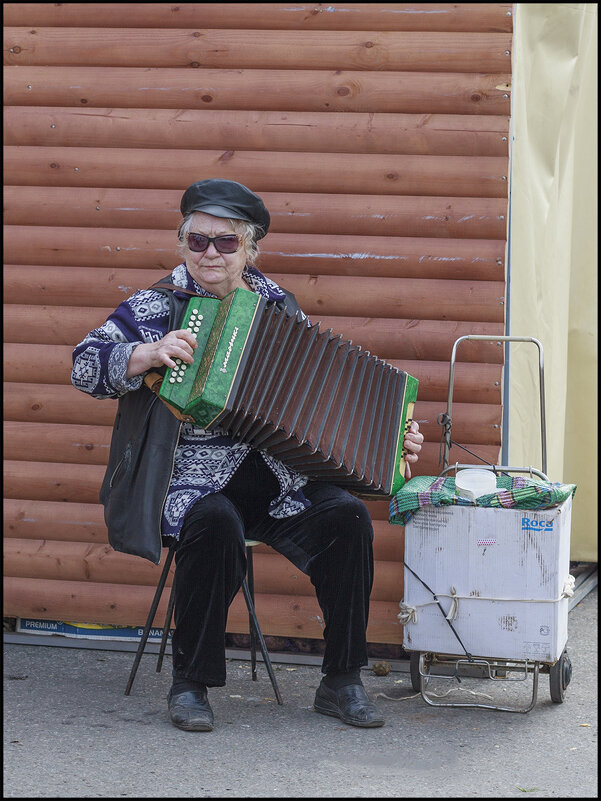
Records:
x=474, y=483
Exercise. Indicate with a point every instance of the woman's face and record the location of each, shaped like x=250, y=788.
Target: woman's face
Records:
x=216, y=272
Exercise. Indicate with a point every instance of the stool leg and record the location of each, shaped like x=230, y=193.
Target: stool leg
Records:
x=251, y=587
x=150, y=618
x=166, y=627
x=255, y=624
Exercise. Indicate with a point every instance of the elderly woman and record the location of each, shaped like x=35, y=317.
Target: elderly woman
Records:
x=170, y=480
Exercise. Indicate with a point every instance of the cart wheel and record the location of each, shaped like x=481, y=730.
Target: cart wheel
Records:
x=559, y=677
x=414, y=671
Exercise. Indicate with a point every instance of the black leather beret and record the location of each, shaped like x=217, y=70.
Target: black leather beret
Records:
x=223, y=198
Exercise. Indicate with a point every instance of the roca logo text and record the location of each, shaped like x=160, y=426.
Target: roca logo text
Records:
x=536, y=525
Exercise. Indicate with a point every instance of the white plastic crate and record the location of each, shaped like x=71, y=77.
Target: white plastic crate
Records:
x=502, y=574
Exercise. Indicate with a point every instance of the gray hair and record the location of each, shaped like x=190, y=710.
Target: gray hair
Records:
x=245, y=230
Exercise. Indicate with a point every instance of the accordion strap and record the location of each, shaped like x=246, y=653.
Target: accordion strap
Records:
x=174, y=288
x=153, y=381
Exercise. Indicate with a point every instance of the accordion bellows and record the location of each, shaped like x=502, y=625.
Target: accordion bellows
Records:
x=323, y=406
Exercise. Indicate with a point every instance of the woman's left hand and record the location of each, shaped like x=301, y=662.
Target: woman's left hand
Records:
x=413, y=445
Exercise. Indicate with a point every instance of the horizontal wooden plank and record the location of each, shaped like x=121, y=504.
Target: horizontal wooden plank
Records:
x=339, y=132
x=57, y=442
x=475, y=382
x=52, y=325
x=79, y=561
x=386, y=337
x=128, y=605
x=54, y=520
x=424, y=51
x=46, y=285
x=51, y=481
x=405, y=220
x=88, y=443
x=420, y=298
x=375, y=174
x=259, y=90
x=80, y=483
x=91, y=247
x=80, y=286
x=43, y=366
x=314, y=254
x=269, y=16
x=84, y=523
x=351, y=296
x=56, y=404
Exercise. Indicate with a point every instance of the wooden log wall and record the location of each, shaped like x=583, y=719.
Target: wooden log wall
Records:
x=379, y=142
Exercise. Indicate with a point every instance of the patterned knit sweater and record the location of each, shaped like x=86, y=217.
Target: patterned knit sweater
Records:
x=204, y=460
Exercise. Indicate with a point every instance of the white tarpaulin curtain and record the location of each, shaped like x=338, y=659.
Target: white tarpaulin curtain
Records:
x=553, y=250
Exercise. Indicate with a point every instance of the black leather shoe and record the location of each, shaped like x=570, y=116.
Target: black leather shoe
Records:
x=190, y=710
x=350, y=704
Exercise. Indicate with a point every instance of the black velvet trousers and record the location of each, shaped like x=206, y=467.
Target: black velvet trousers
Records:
x=331, y=542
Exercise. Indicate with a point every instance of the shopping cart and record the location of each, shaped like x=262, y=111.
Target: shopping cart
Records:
x=468, y=657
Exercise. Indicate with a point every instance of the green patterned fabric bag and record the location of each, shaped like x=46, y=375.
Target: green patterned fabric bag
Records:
x=513, y=492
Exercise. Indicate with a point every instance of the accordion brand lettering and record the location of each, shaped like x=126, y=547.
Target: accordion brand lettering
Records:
x=229, y=350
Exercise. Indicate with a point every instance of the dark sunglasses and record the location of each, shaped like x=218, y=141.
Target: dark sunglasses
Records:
x=229, y=243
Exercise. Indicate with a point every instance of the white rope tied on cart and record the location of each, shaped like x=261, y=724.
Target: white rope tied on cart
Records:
x=568, y=587
x=408, y=613
x=454, y=606
x=436, y=695
x=463, y=690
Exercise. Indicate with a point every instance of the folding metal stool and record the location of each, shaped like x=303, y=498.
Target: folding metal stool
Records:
x=255, y=630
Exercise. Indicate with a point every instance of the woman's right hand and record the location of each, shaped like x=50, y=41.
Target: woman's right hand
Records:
x=179, y=344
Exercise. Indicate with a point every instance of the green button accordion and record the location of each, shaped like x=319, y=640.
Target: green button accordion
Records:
x=323, y=406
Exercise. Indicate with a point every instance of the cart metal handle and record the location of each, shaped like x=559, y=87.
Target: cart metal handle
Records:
x=496, y=468
x=480, y=338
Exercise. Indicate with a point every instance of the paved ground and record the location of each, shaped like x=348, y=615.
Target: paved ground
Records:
x=70, y=732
